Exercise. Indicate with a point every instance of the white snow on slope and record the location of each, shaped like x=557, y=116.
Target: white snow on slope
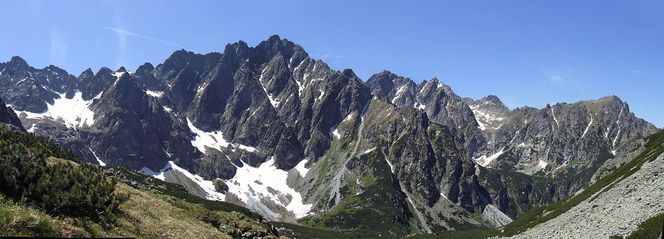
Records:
x=206, y=185
x=301, y=169
x=417, y=105
x=155, y=94
x=273, y=101
x=399, y=93
x=615, y=140
x=119, y=74
x=484, y=118
x=101, y=163
x=167, y=109
x=32, y=128
x=369, y=150
x=554, y=118
x=246, y=148
x=587, y=127
x=486, y=160
x=541, y=164
x=158, y=175
x=250, y=184
x=336, y=134
x=213, y=140
x=74, y=112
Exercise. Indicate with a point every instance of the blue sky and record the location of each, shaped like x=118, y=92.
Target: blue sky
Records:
x=526, y=52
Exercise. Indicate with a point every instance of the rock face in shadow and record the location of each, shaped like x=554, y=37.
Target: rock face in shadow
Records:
x=417, y=152
x=9, y=118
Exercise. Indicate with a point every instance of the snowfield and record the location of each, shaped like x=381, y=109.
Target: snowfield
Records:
x=73, y=113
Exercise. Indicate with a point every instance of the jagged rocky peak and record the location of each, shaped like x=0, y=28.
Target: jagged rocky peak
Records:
x=86, y=74
x=18, y=64
x=393, y=86
x=490, y=112
x=144, y=69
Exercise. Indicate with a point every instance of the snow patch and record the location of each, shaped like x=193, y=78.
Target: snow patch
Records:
x=32, y=128
x=74, y=112
x=485, y=160
x=273, y=101
x=206, y=185
x=213, y=140
x=119, y=74
x=101, y=163
x=417, y=105
x=369, y=150
x=246, y=148
x=156, y=94
x=399, y=93
x=554, y=117
x=485, y=118
x=541, y=164
x=336, y=134
x=158, y=175
x=267, y=182
x=169, y=110
x=587, y=127
x=300, y=167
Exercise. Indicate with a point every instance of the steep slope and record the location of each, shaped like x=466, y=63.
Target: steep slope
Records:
x=53, y=196
x=562, y=146
x=8, y=117
x=273, y=130
x=615, y=205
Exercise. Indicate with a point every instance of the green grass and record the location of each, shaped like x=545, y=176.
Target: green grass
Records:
x=304, y=231
x=375, y=211
x=651, y=228
x=142, y=181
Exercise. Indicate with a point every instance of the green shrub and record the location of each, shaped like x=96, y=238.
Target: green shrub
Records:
x=37, y=171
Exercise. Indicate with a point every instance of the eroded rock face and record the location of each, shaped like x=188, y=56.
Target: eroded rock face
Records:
x=9, y=118
x=417, y=152
x=615, y=212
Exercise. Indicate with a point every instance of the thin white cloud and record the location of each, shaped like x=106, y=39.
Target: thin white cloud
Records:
x=58, y=48
x=557, y=80
x=327, y=56
x=636, y=72
x=123, y=34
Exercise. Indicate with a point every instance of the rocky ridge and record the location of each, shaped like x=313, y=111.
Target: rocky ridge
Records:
x=269, y=128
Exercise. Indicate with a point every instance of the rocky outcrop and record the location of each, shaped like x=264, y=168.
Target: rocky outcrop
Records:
x=415, y=152
x=8, y=117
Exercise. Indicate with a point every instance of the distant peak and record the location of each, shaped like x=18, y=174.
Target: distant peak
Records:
x=104, y=70
x=274, y=38
x=87, y=72
x=121, y=69
x=348, y=73
x=17, y=60
x=493, y=99
x=145, y=69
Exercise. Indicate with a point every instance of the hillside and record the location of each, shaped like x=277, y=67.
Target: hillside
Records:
x=138, y=212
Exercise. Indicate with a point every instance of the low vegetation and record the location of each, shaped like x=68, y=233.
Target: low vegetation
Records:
x=651, y=228
x=45, y=192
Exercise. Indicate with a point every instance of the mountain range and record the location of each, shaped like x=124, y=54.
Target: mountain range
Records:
x=271, y=129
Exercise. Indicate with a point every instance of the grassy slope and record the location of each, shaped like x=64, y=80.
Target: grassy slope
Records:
x=144, y=215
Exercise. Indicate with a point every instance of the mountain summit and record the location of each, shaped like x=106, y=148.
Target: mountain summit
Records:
x=274, y=130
